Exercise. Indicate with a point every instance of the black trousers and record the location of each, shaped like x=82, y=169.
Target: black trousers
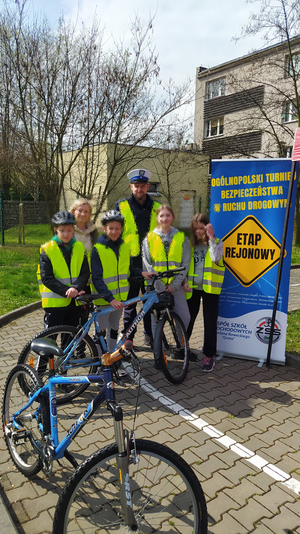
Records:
x=210, y=317
x=130, y=312
x=66, y=315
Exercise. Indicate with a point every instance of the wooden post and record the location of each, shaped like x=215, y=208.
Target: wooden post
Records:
x=21, y=225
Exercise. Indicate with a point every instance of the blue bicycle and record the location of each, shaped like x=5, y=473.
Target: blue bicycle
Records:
x=128, y=486
x=82, y=355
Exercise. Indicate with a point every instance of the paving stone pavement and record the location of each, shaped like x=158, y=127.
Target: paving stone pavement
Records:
x=238, y=427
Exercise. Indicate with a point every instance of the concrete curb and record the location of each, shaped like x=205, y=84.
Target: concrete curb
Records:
x=292, y=360
x=19, y=312
x=6, y=523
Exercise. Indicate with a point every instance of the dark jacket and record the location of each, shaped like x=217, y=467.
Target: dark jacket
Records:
x=47, y=275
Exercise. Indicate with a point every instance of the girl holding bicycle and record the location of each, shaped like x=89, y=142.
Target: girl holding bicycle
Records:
x=166, y=248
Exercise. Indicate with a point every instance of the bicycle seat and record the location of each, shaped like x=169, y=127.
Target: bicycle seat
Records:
x=87, y=299
x=46, y=346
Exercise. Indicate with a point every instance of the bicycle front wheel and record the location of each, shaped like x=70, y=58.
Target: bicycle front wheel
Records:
x=166, y=494
x=171, y=347
x=81, y=362
x=34, y=422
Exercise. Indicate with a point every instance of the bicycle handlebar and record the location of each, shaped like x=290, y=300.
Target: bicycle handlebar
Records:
x=88, y=299
x=162, y=274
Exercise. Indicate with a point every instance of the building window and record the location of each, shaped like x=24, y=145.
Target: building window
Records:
x=215, y=88
x=289, y=112
x=286, y=151
x=296, y=63
x=214, y=127
x=154, y=189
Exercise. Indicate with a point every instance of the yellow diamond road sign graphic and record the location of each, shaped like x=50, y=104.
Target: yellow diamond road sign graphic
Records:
x=250, y=251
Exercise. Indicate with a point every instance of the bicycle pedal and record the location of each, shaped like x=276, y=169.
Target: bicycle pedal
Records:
x=126, y=354
x=19, y=437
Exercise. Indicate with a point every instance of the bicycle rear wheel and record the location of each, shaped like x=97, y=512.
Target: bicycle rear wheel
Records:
x=34, y=421
x=166, y=494
x=82, y=361
x=171, y=347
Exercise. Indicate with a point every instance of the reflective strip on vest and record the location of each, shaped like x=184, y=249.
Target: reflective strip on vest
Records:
x=213, y=275
x=162, y=262
x=61, y=272
x=130, y=233
x=115, y=271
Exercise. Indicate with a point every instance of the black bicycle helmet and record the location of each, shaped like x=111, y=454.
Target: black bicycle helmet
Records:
x=63, y=217
x=112, y=215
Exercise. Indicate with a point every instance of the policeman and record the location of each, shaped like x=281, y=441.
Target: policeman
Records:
x=139, y=212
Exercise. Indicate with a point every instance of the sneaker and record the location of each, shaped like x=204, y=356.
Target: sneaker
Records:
x=208, y=364
x=192, y=356
x=178, y=354
x=148, y=341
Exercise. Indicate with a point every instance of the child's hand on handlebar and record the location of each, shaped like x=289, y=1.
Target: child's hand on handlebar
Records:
x=72, y=292
x=149, y=276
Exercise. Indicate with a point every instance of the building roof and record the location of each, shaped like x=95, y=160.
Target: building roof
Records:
x=202, y=71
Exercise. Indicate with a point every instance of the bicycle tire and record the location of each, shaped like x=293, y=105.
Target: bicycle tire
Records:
x=172, y=350
x=166, y=494
x=35, y=420
x=63, y=335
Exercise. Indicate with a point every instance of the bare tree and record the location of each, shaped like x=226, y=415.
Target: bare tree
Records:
x=175, y=159
x=71, y=96
x=135, y=114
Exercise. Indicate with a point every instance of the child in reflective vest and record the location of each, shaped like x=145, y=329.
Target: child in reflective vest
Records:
x=167, y=248
x=63, y=272
x=205, y=278
x=111, y=268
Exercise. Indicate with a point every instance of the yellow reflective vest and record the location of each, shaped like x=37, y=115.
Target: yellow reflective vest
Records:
x=213, y=274
x=130, y=232
x=61, y=272
x=115, y=271
x=162, y=261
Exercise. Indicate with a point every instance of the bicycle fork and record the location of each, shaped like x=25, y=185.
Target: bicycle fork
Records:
x=123, y=443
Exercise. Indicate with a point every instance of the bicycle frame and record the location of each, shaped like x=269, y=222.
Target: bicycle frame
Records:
x=148, y=298
x=59, y=449
x=50, y=390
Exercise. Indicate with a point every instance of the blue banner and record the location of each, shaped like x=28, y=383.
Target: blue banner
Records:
x=248, y=205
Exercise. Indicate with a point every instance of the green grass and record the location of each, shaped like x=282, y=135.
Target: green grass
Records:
x=35, y=234
x=293, y=333
x=295, y=255
x=18, y=265
x=18, y=283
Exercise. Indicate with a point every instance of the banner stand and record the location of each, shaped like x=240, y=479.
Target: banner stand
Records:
x=251, y=210
x=283, y=241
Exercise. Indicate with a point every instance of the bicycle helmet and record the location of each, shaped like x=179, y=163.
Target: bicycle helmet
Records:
x=63, y=217
x=112, y=215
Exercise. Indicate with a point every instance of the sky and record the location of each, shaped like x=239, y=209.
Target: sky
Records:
x=187, y=34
